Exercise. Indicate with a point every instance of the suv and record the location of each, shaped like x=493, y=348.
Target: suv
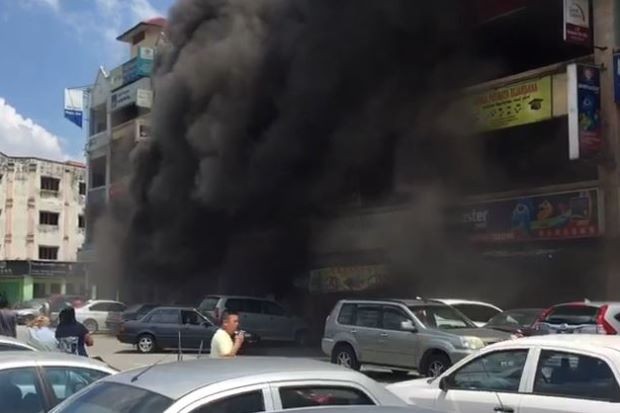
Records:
x=584, y=317
x=268, y=319
x=477, y=311
x=406, y=334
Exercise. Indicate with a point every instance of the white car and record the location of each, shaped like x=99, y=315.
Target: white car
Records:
x=477, y=311
x=539, y=374
x=241, y=384
x=94, y=313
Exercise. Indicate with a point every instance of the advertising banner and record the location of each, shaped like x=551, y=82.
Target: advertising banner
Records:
x=138, y=93
x=577, y=22
x=346, y=278
x=584, y=111
x=513, y=105
x=617, y=77
x=74, y=106
x=133, y=70
x=558, y=216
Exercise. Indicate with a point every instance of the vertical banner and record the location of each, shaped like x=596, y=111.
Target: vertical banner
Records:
x=74, y=106
x=617, y=77
x=577, y=28
x=585, y=138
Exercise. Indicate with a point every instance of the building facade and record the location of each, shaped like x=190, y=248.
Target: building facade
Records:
x=42, y=226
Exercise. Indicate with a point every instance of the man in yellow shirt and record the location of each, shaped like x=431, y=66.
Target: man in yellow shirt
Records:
x=222, y=344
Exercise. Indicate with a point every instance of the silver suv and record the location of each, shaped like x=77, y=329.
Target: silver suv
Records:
x=427, y=336
x=268, y=319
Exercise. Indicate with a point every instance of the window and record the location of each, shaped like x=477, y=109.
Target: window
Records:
x=575, y=375
x=81, y=221
x=273, y=309
x=117, y=307
x=48, y=218
x=38, y=290
x=393, y=317
x=208, y=304
x=191, y=317
x=240, y=403
x=82, y=188
x=48, y=253
x=100, y=307
x=572, y=314
x=368, y=316
x=12, y=347
x=243, y=306
x=50, y=184
x=165, y=317
x=109, y=397
x=55, y=288
x=477, y=313
x=499, y=371
x=309, y=396
x=21, y=391
x=97, y=169
x=347, y=314
x=440, y=316
x=66, y=381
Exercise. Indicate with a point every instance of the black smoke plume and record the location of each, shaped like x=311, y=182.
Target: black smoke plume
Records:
x=273, y=117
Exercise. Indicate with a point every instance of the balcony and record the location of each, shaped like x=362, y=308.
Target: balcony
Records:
x=97, y=141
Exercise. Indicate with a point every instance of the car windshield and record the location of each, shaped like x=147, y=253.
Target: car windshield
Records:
x=572, y=314
x=440, y=316
x=208, y=304
x=521, y=318
x=116, y=398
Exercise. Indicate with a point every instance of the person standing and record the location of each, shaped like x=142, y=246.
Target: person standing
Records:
x=8, y=319
x=41, y=336
x=222, y=344
x=72, y=336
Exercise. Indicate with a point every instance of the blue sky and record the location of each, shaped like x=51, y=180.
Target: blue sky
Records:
x=47, y=45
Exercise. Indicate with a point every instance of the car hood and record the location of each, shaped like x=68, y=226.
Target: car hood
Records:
x=404, y=389
x=486, y=334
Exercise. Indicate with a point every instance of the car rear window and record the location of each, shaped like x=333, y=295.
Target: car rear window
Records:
x=572, y=314
x=116, y=398
x=209, y=304
x=347, y=314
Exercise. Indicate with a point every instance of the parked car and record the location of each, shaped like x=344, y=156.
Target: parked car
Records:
x=93, y=313
x=29, y=310
x=133, y=312
x=266, y=318
x=160, y=329
x=37, y=381
x=552, y=374
x=477, y=311
x=242, y=384
x=59, y=301
x=519, y=321
x=584, y=317
x=13, y=344
x=404, y=334
x=361, y=409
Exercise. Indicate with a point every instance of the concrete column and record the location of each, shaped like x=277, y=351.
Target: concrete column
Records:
x=605, y=42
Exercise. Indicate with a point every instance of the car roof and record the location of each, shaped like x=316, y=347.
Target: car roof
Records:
x=457, y=301
x=176, y=379
x=174, y=307
x=588, y=303
x=409, y=302
x=12, y=340
x=588, y=342
x=237, y=297
x=11, y=359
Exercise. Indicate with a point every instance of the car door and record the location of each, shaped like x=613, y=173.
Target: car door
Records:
x=21, y=390
x=98, y=312
x=279, y=323
x=304, y=394
x=489, y=383
x=165, y=324
x=570, y=382
x=195, y=333
x=64, y=381
x=248, y=399
x=397, y=347
x=368, y=332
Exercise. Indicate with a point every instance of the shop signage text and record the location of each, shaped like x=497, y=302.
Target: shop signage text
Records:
x=577, y=22
x=346, y=278
x=138, y=93
x=585, y=136
x=558, y=216
x=135, y=69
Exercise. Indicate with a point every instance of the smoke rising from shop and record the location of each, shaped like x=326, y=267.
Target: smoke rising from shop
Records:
x=273, y=117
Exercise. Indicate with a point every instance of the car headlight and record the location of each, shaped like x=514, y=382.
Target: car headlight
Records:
x=471, y=343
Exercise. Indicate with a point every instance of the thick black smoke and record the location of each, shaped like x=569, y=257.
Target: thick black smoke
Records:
x=271, y=115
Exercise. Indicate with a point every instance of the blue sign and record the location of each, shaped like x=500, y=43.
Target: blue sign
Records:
x=74, y=116
x=617, y=77
x=589, y=107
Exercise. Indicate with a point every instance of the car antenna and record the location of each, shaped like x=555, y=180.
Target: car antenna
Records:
x=200, y=349
x=180, y=353
x=140, y=373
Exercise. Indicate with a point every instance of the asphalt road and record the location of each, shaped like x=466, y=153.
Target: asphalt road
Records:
x=125, y=357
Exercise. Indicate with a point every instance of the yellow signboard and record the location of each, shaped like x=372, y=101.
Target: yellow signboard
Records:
x=513, y=105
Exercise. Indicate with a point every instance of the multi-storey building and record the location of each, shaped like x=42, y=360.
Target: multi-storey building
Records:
x=42, y=227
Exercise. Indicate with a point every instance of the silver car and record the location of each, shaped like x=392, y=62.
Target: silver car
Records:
x=427, y=336
x=13, y=344
x=242, y=384
x=37, y=381
x=266, y=318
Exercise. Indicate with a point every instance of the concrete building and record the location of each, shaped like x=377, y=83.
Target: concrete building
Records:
x=42, y=227
x=119, y=110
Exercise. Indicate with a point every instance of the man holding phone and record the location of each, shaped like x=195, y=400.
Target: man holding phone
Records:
x=222, y=344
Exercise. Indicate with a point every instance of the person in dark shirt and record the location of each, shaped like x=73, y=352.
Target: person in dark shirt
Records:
x=72, y=336
x=8, y=319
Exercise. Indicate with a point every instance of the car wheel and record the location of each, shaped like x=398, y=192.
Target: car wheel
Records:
x=146, y=343
x=91, y=326
x=437, y=364
x=343, y=355
x=301, y=338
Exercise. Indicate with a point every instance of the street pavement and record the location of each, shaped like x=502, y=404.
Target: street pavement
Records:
x=125, y=357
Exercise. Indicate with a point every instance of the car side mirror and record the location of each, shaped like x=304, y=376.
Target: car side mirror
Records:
x=408, y=326
x=444, y=384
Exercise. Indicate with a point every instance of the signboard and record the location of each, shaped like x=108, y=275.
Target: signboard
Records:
x=74, y=106
x=577, y=22
x=347, y=278
x=513, y=105
x=558, y=216
x=134, y=69
x=617, y=77
x=138, y=93
x=584, y=111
